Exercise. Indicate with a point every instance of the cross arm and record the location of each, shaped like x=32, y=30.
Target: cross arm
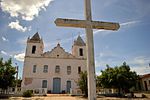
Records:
x=83, y=24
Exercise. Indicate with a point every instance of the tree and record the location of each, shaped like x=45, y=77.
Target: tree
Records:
x=121, y=78
x=82, y=82
x=107, y=78
x=7, y=72
x=18, y=82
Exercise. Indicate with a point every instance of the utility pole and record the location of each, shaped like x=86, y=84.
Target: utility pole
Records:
x=16, y=87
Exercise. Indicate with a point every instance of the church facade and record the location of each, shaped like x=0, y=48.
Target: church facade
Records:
x=56, y=70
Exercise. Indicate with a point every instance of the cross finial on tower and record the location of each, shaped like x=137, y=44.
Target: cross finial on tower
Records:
x=58, y=41
x=79, y=33
x=37, y=29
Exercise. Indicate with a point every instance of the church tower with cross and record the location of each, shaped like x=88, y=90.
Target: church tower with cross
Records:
x=79, y=48
x=55, y=71
x=35, y=46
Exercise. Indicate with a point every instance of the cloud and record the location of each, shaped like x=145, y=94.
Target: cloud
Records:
x=139, y=61
x=4, y=39
x=122, y=25
x=97, y=31
x=130, y=23
x=26, y=9
x=109, y=3
x=141, y=70
x=139, y=64
x=20, y=57
x=4, y=53
x=107, y=54
x=99, y=63
x=22, y=41
x=98, y=73
x=48, y=45
x=16, y=25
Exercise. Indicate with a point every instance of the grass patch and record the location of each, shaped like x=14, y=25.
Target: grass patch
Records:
x=28, y=93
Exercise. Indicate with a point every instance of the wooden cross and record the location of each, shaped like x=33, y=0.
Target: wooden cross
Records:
x=89, y=25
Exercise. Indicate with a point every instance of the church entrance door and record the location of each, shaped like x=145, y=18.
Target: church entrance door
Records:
x=56, y=85
x=68, y=86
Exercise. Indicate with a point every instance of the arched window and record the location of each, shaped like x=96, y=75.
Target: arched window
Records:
x=79, y=69
x=81, y=52
x=33, y=49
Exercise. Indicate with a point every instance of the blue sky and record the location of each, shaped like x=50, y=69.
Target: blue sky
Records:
x=20, y=19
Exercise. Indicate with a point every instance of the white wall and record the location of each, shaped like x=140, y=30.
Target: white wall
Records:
x=51, y=62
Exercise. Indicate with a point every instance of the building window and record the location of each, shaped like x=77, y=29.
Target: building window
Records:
x=68, y=70
x=33, y=49
x=57, y=69
x=79, y=70
x=81, y=52
x=149, y=82
x=44, y=84
x=45, y=69
x=34, y=68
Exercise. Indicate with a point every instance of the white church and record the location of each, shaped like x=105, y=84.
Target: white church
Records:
x=56, y=70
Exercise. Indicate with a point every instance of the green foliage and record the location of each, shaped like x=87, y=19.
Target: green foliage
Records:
x=118, y=77
x=82, y=82
x=19, y=82
x=7, y=72
x=28, y=93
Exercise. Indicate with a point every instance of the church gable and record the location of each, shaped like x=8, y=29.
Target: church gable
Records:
x=58, y=52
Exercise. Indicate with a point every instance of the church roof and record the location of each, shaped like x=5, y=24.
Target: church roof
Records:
x=36, y=37
x=79, y=41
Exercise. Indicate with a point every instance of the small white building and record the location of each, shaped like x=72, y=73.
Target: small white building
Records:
x=145, y=82
x=56, y=70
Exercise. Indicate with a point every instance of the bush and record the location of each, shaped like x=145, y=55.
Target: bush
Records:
x=49, y=91
x=143, y=96
x=28, y=93
x=63, y=92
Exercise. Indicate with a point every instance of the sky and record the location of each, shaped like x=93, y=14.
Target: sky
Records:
x=20, y=19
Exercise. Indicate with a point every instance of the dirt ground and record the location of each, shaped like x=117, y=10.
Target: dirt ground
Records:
x=74, y=98
x=67, y=97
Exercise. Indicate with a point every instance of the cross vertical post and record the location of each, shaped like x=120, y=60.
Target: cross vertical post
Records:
x=90, y=52
x=89, y=25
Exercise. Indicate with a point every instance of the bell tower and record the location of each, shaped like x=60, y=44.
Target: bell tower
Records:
x=35, y=46
x=79, y=48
